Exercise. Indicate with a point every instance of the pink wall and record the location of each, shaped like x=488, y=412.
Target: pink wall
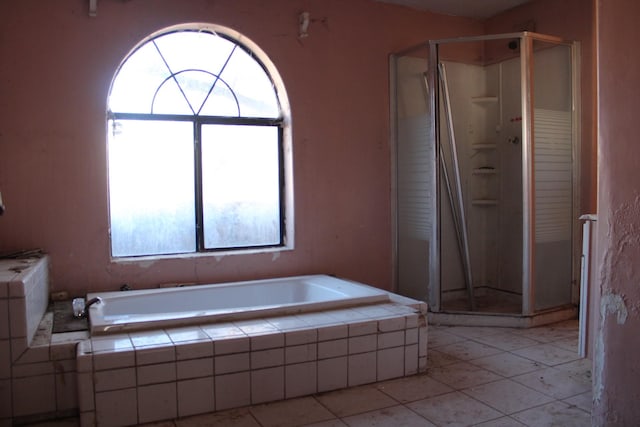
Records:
x=57, y=64
x=617, y=365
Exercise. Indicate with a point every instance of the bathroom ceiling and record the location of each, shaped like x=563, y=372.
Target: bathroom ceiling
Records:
x=469, y=8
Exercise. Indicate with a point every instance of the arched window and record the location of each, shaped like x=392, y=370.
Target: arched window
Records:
x=197, y=131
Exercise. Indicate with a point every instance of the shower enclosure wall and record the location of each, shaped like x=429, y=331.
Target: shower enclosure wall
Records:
x=485, y=149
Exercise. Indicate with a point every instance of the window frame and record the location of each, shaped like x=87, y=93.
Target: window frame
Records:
x=282, y=123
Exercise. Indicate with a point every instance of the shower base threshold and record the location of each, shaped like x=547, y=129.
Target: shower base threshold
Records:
x=471, y=318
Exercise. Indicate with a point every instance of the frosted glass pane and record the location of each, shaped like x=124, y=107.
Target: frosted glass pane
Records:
x=252, y=86
x=196, y=85
x=221, y=102
x=151, y=188
x=241, y=186
x=192, y=50
x=170, y=100
x=137, y=81
x=195, y=59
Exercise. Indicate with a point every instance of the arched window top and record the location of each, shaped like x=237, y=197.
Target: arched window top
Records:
x=194, y=72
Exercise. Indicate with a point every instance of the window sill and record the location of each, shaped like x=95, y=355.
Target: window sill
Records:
x=195, y=255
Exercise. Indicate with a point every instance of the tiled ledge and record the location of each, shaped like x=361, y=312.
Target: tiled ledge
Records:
x=141, y=377
x=37, y=369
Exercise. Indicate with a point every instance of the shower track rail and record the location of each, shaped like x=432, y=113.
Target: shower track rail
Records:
x=459, y=216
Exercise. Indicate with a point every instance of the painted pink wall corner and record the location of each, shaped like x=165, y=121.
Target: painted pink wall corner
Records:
x=617, y=367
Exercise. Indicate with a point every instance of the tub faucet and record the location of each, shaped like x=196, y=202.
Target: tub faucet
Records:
x=80, y=307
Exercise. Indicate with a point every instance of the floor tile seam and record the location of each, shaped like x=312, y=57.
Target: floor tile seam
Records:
x=523, y=334
x=554, y=368
x=424, y=416
x=252, y=415
x=487, y=369
x=546, y=393
x=502, y=414
x=465, y=337
x=416, y=400
x=533, y=360
x=387, y=407
x=527, y=346
x=514, y=348
x=515, y=375
x=547, y=364
x=538, y=391
x=569, y=374
x=508, y=379
x=457, y=388
x=376, y=386
x=573, y=405
x=438, y=347
x=555, y=344
x=488, y=345
x=537, y=407
x=396, y=403
x=516, y=421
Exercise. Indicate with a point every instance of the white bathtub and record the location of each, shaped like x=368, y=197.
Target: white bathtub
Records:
x=174, y=307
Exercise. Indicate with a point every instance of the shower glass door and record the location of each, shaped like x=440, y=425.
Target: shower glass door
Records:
x=552, y=114
x=414, y=178
x=479, y=133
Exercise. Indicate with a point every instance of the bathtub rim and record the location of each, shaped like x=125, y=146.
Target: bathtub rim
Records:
x=194, y=318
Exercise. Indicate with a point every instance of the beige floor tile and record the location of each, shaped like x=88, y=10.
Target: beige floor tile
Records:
x=462, y=375
x=438, y=338
x=231, y=418
x=578, y=369
x=508, y=364
x=454, y=409
x=388, y=417
x=330, y=423
x=553, y=382
x=583, y=401
x=501, y=422
x=355, y=400
x=476, y=331
x=508, y=396
x=547, y=354
x=66, y=422
x=547, y=334
x=506, y=341
x=289, y=413
x=170, y=423
x=554, y=414
x=570, y=344
x=437, y=358
x=413, y=388
x=468, y=350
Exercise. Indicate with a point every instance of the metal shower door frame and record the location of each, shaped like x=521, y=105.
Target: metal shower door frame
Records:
x=528, y=183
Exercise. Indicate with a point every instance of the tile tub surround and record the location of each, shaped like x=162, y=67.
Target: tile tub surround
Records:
x=150, y=376
x=155, y=375
x=37, y=370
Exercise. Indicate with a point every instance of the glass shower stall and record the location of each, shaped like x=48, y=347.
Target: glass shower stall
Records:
x=485, y=149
